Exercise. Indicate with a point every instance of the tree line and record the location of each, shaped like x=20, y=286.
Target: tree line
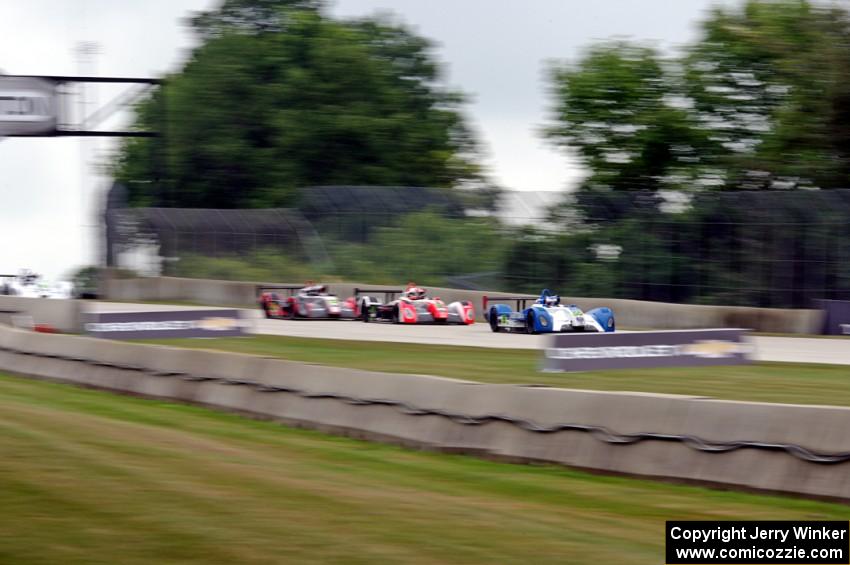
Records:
x=279, y=96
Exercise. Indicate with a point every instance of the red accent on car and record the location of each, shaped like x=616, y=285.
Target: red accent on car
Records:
x=351, y=303
x=408, y=313
x=438, y=310
x=468, y=313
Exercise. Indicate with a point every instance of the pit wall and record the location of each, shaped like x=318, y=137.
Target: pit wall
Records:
x=628, y=313
x=434, y=412
x=63, y=315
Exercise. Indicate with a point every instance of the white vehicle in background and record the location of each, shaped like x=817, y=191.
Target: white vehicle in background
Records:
x=27, y=284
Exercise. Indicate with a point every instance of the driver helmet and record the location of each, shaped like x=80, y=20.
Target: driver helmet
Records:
x=552, y=300
x=415, y=292
x=314, y=289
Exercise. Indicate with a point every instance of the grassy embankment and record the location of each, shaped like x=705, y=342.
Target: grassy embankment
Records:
x=92, y=477
x=797, y=383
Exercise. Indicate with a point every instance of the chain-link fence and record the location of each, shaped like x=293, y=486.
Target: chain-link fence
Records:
x=777, y=249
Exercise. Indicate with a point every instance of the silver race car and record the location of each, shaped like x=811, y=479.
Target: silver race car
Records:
x=290, y=302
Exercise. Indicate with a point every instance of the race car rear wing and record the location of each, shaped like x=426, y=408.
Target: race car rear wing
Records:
x=520, y=301
x=259, y=289
x=389, y=293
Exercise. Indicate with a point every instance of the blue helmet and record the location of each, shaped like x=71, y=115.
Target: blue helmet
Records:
x=548, y=299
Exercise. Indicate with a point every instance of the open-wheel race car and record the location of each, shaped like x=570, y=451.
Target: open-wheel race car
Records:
x=311, y=301
x=545, y=315
x=410, y=306
x=31, y=285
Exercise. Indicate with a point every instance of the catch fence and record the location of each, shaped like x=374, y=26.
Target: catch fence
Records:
x=771, y=249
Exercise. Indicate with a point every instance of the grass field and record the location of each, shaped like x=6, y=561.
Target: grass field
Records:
x=765, y=382
x=92, y=477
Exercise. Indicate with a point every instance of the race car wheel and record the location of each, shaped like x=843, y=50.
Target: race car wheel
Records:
x=493, y=319
x=395, y=316
x=273, y=310
x=364, y=311
x=529, y=324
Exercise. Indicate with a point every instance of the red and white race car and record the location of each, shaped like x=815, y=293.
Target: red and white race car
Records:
x=290, y=302
x=409, y=306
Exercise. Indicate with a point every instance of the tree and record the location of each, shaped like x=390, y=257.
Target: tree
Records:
x=772, y=82
x=279, y=96
x=250, y=16
x=762, y=100
x=427, y=248
x=619, y=108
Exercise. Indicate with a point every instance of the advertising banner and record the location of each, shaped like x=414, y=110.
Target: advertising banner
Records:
x=27, y=106
x=837, y=316
x=676, y=348
x=155, y=325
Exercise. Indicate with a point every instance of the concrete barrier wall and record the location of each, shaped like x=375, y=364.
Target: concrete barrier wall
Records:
x=64, y=315
x=628, y=313
x=209, y=292
x=310, y=397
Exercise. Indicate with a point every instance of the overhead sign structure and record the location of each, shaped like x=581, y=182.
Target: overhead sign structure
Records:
x=682, y=348
x=40, y=106
x=166, y=324
x=27, y=106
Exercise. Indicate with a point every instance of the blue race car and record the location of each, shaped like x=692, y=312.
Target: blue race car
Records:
x=546, y=315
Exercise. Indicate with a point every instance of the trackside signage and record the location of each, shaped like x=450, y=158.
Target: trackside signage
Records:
x=686, y=348
x=151, y=325
x=27, y=106
x=836, y=316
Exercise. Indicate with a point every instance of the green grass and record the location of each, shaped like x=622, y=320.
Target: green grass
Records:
x=798, y=383
x=806, y=336
x=92, y=477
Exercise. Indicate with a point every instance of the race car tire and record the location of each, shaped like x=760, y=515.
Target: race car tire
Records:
x=529, y=324
x=273, y=312
x=493, y=320
x=364, y=312
x=395, y=316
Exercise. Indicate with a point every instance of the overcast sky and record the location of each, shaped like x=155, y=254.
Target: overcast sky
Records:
x=495, y=51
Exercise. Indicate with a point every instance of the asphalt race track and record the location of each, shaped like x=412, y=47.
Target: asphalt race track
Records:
x=784, y=349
